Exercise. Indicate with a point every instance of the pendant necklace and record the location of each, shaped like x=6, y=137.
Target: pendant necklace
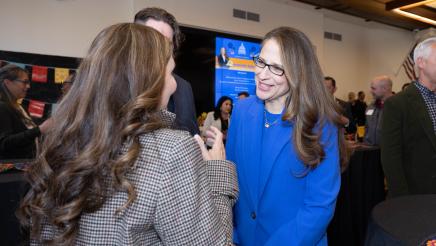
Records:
x=267, y=123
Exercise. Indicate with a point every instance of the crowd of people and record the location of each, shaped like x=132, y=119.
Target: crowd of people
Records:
x=122, y=160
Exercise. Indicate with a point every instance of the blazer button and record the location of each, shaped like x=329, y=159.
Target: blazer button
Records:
x=253, y=215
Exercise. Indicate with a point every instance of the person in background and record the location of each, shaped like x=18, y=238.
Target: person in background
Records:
x=223, y=58
x=352, y=102
x=200, y=120
x=381, y=89
x=112, y=171
x=408, y=146
x=346, y=115
x=359, y=109
x=405, y=85
x=287, y=147
x=351, y=98
x=182, y=101
x=243, y=95
x=66, y=86
x=219, y=118
x=18, y=133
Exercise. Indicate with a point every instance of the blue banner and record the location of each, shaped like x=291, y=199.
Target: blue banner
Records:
x=234, y=67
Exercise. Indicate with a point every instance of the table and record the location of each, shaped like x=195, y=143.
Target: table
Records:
x=407, y=220
x=362, y=187
x=12, y=188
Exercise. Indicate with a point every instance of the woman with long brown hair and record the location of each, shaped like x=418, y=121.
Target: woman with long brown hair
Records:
x=112, y=171
x=287, y=147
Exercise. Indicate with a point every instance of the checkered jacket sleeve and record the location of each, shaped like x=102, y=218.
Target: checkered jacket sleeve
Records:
x=195, y=205
x=181, y=199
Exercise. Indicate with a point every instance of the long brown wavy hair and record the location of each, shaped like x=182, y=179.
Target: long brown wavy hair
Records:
x=115, y=97
x=308, y=103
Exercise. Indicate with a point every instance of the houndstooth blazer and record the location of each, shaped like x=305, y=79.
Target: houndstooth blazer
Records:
x=181, y=199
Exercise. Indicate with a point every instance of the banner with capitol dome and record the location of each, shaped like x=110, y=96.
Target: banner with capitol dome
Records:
x=234, y=67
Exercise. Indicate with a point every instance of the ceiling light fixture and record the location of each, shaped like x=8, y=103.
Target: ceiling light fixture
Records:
x=400, y=7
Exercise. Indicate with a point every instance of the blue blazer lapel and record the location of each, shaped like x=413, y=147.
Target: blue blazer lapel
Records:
x=251, y=146
x=282, y=138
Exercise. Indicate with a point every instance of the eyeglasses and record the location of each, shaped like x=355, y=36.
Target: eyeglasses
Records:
x=27, y=82
x=273, y=68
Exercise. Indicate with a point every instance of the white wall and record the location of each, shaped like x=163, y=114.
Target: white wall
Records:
x=218, y=15
x=67, y=27
x=387, y=52
x=56, y=27
x=346, y=60
x=367, y=49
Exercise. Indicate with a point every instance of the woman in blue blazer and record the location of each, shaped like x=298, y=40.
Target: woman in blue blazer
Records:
x=287, y=147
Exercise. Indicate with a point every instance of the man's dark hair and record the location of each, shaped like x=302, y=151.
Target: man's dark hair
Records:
x=360, y=93
x=243, y=93
x=161, y=15
x=331, y=79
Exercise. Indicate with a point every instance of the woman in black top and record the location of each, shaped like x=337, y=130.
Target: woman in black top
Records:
x=219, y=118
x=18, y=133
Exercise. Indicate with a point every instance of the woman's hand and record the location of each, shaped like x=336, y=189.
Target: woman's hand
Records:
x=45, y=126
x=217, y=152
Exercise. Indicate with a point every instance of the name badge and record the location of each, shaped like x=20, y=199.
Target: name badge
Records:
x=369, y=111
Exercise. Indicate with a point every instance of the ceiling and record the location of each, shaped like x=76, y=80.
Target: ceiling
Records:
x=374, y=10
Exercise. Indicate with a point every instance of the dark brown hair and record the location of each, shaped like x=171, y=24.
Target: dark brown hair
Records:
x=308, y=104
x=115, y=98
x=161, y=15
x=217, y=109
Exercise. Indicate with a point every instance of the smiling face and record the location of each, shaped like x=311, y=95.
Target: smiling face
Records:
x=226, y=107
x=271, y=88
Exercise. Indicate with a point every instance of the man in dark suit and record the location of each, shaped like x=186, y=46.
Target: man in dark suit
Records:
x=408, y=147
x=347, y=115
x=359, y=109
x=223, y=59
x=182, y=101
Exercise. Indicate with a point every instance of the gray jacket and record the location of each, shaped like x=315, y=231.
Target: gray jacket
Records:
x=181, y=199
x=373, y=125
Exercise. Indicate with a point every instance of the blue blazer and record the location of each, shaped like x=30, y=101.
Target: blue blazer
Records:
x=281, y=207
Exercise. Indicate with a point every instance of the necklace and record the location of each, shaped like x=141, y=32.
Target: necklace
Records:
x=267, y=123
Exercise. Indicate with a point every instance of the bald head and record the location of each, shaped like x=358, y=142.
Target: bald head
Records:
x=381, y=87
